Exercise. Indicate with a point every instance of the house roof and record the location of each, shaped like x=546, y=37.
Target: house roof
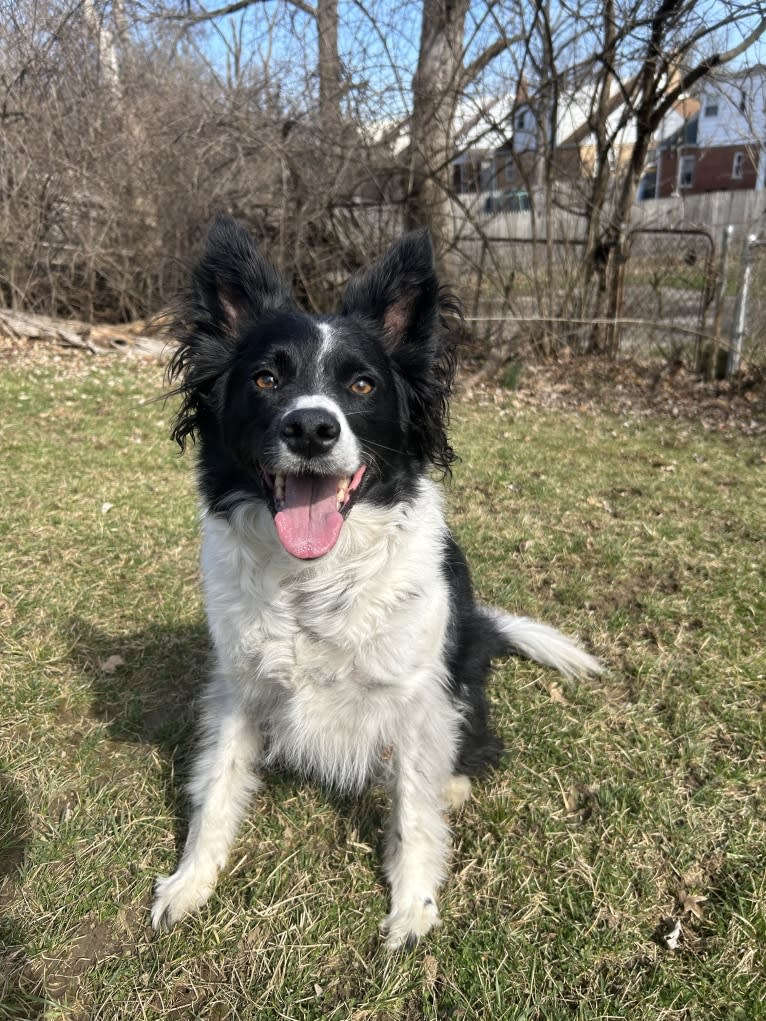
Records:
x=481, y=123
x=575, y=121
x=485, y=122
x=685, y=133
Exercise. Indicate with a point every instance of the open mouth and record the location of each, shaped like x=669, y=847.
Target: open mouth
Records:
x=309, y=510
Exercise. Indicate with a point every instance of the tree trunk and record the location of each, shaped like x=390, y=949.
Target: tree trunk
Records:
x=329, y=69
x=435, y=88
x=597, y=252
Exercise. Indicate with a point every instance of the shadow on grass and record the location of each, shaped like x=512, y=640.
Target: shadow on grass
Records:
x=145, y=686
x=150, y=696
x=17, y=1000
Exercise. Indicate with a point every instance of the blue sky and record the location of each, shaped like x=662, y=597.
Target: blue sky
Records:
x=379, y=45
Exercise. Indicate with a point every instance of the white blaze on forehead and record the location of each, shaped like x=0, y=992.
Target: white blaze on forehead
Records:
x=346, y=454
x=327, y=336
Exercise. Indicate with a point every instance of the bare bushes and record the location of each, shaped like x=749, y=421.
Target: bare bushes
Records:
x=110, y=169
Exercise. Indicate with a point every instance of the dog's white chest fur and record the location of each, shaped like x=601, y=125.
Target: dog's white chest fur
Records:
x=334, y=657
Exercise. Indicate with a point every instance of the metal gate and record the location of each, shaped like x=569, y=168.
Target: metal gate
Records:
x=667, y=287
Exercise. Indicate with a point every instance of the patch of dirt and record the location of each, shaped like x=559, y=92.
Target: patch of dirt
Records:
x=633, y=390
x=91, y=943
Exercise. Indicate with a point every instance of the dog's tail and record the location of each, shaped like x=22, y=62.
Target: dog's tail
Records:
x=542, y=643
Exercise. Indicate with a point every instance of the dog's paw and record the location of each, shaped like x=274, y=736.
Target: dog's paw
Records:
x=404, y=926
x=457, y=791
x=181, y=894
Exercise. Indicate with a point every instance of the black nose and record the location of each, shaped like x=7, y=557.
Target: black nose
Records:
x=310, y=431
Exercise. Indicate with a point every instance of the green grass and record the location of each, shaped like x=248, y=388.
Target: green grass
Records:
x=617, y=799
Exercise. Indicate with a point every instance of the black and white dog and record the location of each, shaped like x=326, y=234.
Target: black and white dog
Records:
x=347, y=640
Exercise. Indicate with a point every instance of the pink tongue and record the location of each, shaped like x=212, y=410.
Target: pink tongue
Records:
x=309, y=524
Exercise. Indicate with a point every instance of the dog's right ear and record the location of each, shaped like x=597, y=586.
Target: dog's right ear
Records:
x=231, y=285
x=232, y=282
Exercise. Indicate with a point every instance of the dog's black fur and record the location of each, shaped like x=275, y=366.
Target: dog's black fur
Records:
x=348, y=641
x=393, y=319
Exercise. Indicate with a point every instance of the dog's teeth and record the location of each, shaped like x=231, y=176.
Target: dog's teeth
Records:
x=279, y=487
x=342, y=494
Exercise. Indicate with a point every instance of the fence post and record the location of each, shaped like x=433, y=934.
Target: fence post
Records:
x=720, y=297
x=614, y=309
x=740, y=312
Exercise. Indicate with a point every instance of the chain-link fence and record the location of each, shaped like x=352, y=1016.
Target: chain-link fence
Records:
x=748, y=330
x=666, y=289
x=683, y=296
x=525, y=294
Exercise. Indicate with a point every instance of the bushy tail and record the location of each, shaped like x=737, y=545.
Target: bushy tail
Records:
x=543, y=644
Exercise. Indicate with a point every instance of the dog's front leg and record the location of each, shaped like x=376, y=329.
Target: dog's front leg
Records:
x=417, y=839
x=221, y=783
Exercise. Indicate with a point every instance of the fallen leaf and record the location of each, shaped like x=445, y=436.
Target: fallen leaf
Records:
x=690, y=903
x=430, y=970
x=581, y=800
x=556, y=693
x=111, y=665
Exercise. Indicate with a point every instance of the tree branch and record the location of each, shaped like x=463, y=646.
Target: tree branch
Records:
x=705, y=67
x=474, y=69
x=233, y=8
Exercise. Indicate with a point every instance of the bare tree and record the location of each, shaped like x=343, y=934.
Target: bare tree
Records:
x=666, y=50
x=328, y=128
x=102, y=201
x=447, y=68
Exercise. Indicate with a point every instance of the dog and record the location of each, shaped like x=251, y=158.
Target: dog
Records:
x=347, y=641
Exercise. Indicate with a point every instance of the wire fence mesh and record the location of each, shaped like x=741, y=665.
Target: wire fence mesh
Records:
x=679, y=296
x=668, y=284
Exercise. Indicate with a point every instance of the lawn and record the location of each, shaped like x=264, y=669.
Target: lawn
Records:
x=621, y=800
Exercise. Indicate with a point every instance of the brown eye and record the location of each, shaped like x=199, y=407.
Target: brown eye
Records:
x=362, y=386
x=265, y=381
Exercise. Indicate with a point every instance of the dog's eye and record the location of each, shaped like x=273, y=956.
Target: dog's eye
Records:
x=265, y=380
x=362, y=386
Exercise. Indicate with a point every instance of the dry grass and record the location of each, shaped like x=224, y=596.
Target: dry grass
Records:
x=619, y=801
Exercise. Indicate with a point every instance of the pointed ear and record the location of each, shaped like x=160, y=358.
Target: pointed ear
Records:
x=400, y=291
x=233, y=282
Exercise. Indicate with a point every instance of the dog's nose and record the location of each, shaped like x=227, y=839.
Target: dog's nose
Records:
x=310, y=431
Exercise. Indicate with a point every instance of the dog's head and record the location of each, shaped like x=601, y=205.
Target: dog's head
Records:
x=312, y=413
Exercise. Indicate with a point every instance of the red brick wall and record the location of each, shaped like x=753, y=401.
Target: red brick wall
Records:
x=712, y=170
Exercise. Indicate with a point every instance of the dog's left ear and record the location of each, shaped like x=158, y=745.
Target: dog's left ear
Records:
x=401, y=291
x=233, y=282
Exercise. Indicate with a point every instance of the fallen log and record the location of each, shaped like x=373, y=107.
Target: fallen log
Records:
x=27, y=325
x=130, y=338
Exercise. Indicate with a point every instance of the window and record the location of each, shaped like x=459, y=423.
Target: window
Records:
x=648, y=188
x=711, y=108
x=510, y=171
x=686, y=172
x=743, y=101
x=521, y=121
x=738, y=166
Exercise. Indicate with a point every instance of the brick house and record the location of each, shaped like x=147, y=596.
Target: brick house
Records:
x=721, y=144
